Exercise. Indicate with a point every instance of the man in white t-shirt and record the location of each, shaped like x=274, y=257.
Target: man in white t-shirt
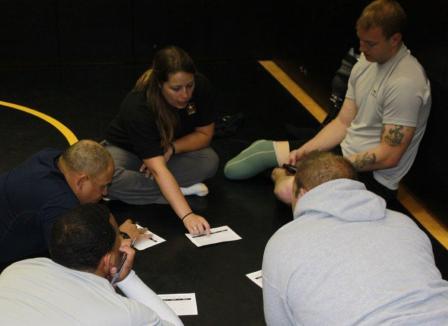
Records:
x=74, y=287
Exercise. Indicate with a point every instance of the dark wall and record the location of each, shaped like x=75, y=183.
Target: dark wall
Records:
x=29, y=36
x=116, y=31
x=313, y=38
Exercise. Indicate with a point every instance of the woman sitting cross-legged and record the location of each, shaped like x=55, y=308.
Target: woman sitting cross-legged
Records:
x=160, y=138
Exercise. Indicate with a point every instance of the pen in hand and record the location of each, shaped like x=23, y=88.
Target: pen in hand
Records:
x=213, y=232
x=121, y=265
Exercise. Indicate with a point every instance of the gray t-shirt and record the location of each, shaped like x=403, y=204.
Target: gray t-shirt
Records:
x=396, y=92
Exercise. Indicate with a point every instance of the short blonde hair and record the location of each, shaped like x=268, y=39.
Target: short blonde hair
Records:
x=386, y=14
x=319, y=167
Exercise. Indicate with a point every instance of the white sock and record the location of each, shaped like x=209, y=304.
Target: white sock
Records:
x=198, y=189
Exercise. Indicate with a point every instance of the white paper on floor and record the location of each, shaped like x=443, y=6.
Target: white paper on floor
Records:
x=217, y=235
x=183, y=304
x=142, y=243
x=256, y=277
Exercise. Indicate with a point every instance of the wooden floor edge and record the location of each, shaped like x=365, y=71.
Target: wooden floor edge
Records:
x=415, y=206
x=295, y=90
x=422, y=214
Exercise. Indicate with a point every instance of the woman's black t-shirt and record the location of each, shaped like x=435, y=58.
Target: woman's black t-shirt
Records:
x=134, y=128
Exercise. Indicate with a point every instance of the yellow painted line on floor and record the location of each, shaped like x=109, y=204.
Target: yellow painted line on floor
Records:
x=66, y=132
x=295, y=90
x=414, y=205
x=423, y=215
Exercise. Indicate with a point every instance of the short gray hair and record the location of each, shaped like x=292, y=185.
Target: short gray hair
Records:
x=87, y=156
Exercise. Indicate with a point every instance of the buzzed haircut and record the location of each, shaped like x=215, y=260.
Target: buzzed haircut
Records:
x=319, y=167
x=87, y=156
x=386, y=14
x=82, y=236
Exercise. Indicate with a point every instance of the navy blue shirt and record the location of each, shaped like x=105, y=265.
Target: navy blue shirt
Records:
x=134, y=128
x=32, y=196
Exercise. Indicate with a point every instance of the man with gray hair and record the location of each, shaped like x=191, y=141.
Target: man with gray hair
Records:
x=35, y=193
x=345, y=259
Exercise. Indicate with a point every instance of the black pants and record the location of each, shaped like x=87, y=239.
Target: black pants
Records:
x=365, y=177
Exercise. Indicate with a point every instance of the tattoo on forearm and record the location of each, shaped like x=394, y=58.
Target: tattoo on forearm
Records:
x=394, y=136
x=363, y=160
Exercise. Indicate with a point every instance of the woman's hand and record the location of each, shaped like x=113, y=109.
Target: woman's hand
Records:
x=144, y=169
x=196, y=224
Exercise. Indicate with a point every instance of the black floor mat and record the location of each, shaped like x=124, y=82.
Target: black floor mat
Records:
x=86, y=99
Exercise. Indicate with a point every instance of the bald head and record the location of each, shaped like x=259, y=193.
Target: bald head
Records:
x=87, y=156
x=319, y=167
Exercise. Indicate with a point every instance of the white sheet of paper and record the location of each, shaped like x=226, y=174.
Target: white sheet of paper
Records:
x=256, y=277
x=183, y=304
x=142, y=244
x=217, y=235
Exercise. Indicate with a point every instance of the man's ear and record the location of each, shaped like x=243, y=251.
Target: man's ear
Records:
x=302, y=192
x=295, y=199
x=105, y=265
x=80, y=179
x=396, y=39
x=297, y=194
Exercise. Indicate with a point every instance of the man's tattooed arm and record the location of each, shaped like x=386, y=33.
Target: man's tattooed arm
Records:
x=394, y=135
x=394, y=141
x=363, y=160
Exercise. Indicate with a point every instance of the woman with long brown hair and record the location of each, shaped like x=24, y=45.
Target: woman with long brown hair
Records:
x=160, y=138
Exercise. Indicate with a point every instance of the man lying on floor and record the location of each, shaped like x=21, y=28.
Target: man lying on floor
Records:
x=73, y=288
x=347, y=260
